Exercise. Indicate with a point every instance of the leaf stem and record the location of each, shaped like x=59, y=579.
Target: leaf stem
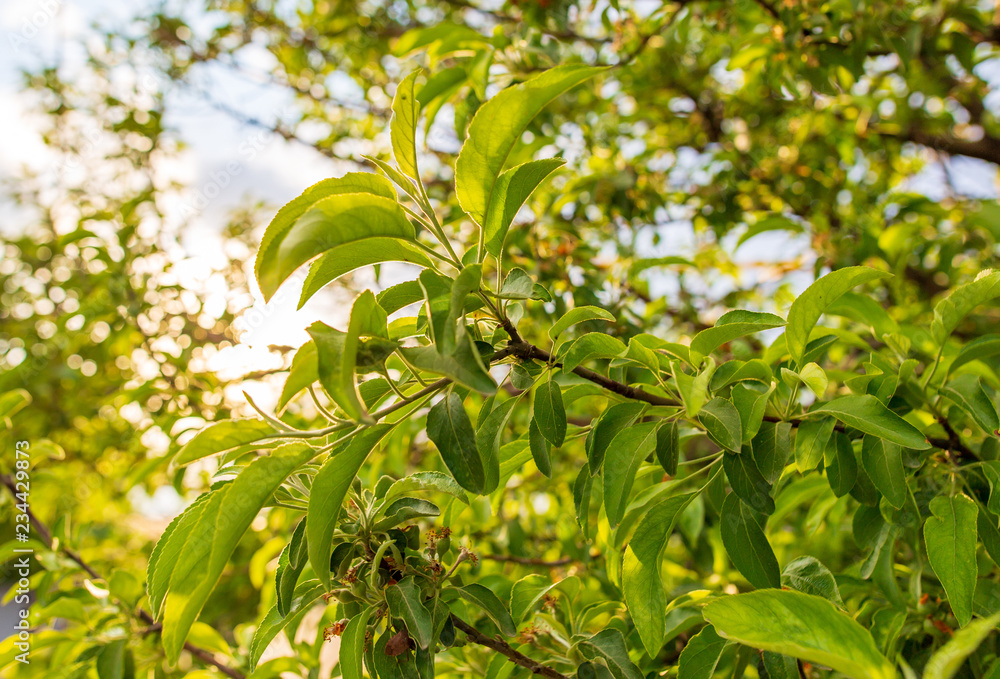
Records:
x=503, y=648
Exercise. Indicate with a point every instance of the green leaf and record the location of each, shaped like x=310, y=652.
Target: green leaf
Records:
x=771, y=448
x=626, y=453
x=397, y=177
x=801, y=626
x=807, y=574
x=333, y=212
x=748, y=482
x=168, y=549
x=539, y=449
x=968, y=392
x=812, y=303
x=866, y=413
x=303, y=372
x=668, y=446
x=982, y=347
x=640, y=265
x=425, y=481
x=485, y=599
x=769, y=223
x=221, y=436
x=329, y=489
x=489, y=438
x=124, y=585
x=394, y=298
x=948, y=659
x=111, y=660
x=512, y=189
x=464, y=366
x=449, y=37
x=950, y=537
x=211, y=541
x=438, y=292
x=405, y=601
x=609, y=646
x=883, y=462
x=527, y=592
x=517, y=285
x=591, y=346
x=291, y=561
x=841, y=465
x=12, y=401
x=722, y=422
x=305, y=595
x=991, y=470
x=780, y=666
x=612, y=421
x=811, y=441
x=403, y=128
x=950, y=311
x=466, y=283
x=701, y=655
x=352, y=645
x=744, y=540
x=549, y=413
x=337, y=353
x=498, y=126
x=580, y=314
x=751, y=401
x=449, y=427
x=345, y=258
x=641, y=585
x=402, y=510
x=730, y=326
x=439, y=88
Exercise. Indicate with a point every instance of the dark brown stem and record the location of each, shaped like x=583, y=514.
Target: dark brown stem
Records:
x=45, y=535
x=985, y=148
x=527, y=351
x=503, y=648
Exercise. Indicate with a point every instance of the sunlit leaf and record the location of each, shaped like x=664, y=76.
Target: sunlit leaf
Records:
x=329, y=489
x=801, y=626
x=811, y=304
x=333, y=212
x=950, y=537
x=867, y=414
x=497, y=127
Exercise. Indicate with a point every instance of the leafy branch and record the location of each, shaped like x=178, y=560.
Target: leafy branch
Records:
x=45, y=536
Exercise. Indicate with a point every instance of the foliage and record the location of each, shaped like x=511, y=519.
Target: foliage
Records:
x=527, y=459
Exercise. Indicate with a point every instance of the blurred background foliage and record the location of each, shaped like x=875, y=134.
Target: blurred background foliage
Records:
x=738, y=149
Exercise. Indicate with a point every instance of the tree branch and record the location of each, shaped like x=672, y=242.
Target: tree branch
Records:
x=46, y=537
x=987, y=148
x=526, y=351
x=503, y=648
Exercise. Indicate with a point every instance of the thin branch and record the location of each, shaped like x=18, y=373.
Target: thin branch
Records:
x=46, y=538
x=986, y=148
x=503, y=648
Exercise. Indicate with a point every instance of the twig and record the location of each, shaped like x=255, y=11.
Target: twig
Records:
x=153, y=627
x=503, y=648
